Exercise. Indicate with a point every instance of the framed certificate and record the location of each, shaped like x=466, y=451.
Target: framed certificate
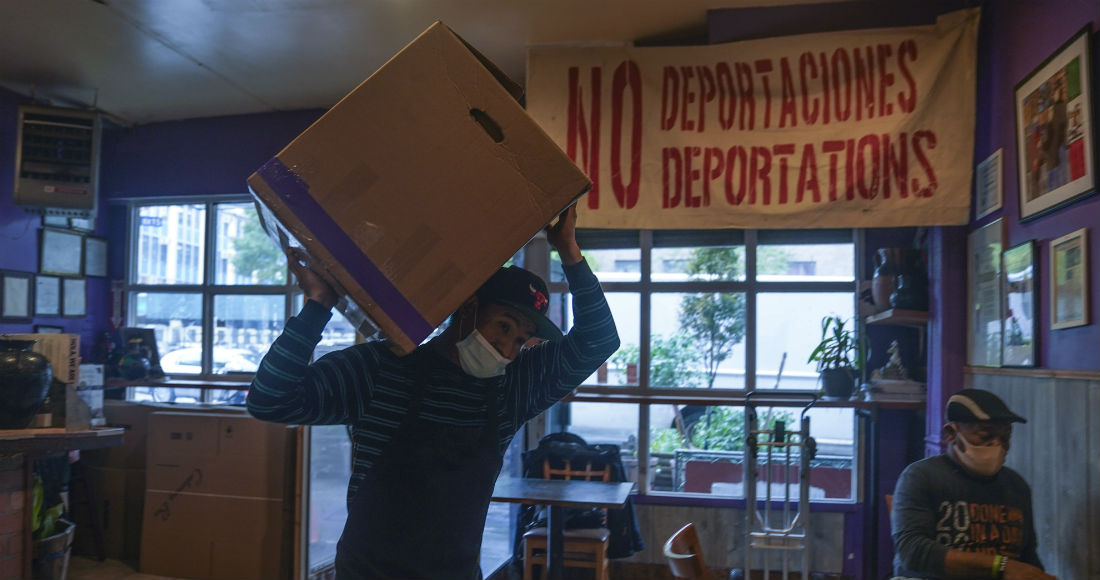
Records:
x=74, y=297
x=16, y=295
x=95, y=256
x=47, y=295
x=60, y=252
x=1069, y=274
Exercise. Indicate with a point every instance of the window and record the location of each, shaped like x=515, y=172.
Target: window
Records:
x=711, y=315
x=213, y=287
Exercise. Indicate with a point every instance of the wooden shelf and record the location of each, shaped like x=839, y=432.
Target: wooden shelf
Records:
x=55, y=440
x=898, y=317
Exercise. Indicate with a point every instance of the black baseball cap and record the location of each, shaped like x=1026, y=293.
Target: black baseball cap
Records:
x=973, y=405
x=523, y=290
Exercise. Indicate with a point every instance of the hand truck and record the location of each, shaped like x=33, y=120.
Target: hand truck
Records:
x=769, y=528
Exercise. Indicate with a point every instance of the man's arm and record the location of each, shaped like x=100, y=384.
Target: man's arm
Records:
x=551, y=370
x=286, y=388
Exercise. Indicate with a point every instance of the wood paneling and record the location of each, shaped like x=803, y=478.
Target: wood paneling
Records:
x=1058, y=453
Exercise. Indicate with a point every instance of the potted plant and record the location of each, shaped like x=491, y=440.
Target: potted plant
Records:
x=837, y=357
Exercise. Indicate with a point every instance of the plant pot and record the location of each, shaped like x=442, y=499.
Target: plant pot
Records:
x=838, y=384
x=51, y=555
x=25, y=379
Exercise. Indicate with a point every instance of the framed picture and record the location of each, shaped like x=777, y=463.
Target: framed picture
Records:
x=1054, y=130
x=984, y=276
x=82, y=224
x=989, y=185
x=1069, y=274
x=47, y=296
x=95, y=256
x=55, y=221
x=48, y=329
x=16, y=295
x=74, y=297
x=60, y=252
x=1019, y=348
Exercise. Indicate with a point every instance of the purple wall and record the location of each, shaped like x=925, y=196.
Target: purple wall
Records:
x=1021, y=35
x=195, y=157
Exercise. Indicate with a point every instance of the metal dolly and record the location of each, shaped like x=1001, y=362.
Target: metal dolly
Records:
x=777, y=530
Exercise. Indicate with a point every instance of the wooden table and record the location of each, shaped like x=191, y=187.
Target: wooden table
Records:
x=556, y=494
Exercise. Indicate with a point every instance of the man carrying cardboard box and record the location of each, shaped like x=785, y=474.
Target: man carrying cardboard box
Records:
x=429, y=429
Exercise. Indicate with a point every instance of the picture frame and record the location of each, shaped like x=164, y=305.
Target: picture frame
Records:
x=47, y=295
x=989, y=185
x=82, y=224
x=95, y=256
x=1069, y=274
x=60, y=252
x=1055, y=131
x=55, y=221
x=74, y=297
x=48, y=329
x=16, y=295
x=1019, y=345
x=984, y=323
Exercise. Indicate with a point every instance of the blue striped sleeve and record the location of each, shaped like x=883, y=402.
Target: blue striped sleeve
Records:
x=287, y=389
x=542, y=375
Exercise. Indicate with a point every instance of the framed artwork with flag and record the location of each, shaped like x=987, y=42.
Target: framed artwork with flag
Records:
x=1055, y=146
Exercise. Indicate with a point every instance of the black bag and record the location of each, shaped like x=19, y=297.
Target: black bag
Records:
x=625, y=537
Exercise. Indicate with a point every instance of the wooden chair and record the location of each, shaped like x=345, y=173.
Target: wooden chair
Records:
x=581, y=548
x=685, y=555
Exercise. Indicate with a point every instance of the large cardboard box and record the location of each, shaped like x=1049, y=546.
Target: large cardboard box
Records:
x=134, y=417
x=214, y=537
x=217, y=499
x=223, y=453
x=416, y=186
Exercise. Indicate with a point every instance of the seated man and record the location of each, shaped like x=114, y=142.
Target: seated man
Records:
x=962, y=514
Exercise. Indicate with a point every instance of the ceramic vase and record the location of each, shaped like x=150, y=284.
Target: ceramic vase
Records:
x=25, y=378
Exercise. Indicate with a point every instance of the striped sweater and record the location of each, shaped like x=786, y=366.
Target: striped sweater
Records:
x=368, y=387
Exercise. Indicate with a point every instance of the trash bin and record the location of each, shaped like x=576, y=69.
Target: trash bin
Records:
x=51, y=555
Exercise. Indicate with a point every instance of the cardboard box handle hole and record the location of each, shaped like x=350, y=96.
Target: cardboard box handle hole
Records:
x=488, y=124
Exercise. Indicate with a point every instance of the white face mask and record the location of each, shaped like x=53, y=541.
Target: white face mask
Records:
x=478, y=358
x=984, y=460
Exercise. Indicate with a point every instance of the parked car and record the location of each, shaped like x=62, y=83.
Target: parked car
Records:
x=188, y=360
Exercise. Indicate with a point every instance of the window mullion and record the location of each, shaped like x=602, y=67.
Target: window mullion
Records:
x=750, y=309
x=209, y=264
x=645, y=241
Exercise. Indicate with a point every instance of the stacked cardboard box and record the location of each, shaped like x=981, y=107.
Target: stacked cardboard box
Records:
x=411, y=191
x=218, y=497
x=116, y=477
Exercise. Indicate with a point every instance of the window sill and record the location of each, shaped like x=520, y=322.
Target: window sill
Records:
x=194, y=382
x=673, y=396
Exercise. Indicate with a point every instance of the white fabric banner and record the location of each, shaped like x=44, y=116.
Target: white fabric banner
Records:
x=864, y=128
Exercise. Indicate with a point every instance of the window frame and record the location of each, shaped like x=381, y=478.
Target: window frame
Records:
x=206, y=289
x=643, y=396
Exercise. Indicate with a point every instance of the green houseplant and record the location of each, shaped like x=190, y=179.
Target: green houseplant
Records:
x=837, y=356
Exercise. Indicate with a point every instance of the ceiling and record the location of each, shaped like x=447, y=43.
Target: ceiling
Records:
x=143, y=61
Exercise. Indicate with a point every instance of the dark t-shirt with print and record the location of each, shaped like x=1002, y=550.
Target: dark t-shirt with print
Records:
x=938, y=505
